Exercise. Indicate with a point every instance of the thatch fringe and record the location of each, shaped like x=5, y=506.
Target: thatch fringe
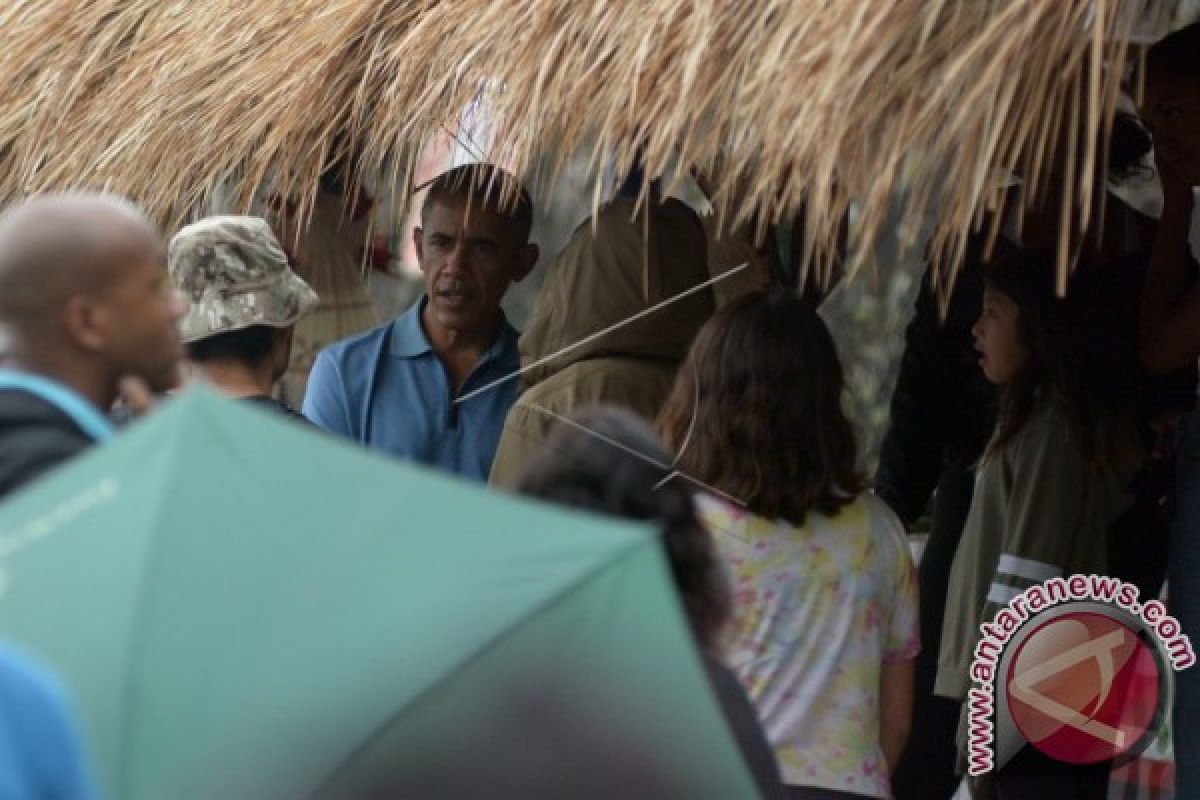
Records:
x=784, y=104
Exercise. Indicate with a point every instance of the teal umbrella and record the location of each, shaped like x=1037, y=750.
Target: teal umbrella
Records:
x=245, y=608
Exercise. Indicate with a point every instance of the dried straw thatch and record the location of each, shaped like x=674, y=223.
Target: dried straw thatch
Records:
x=778, y=101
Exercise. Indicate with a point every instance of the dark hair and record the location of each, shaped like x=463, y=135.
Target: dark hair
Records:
x=1130, y=143
x=498, y=189
x=1076, y=351
x=756, y=410
x=250, y=346
x=1177, y=53
x=609, y=461
x=635, y=179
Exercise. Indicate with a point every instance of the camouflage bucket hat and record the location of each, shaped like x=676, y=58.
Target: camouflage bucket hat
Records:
x=234, y=274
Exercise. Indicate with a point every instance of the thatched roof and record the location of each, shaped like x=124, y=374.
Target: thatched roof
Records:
x=779, y=100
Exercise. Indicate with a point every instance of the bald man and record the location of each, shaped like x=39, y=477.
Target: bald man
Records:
x=84, y=309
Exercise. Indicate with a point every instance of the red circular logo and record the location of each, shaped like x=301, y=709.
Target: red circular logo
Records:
x=1084, y=687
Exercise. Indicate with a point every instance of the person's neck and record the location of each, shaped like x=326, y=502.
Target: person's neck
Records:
x=459, y=349
x=98, y=389
x=452, y=342
x=236, y=379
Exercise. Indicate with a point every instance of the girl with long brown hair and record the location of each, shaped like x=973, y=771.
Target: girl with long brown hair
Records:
x=824, y=628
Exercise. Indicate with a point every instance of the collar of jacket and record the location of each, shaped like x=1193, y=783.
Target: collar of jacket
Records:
x=89, y=419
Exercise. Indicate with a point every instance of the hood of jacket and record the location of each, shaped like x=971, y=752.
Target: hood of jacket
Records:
x=616, y=266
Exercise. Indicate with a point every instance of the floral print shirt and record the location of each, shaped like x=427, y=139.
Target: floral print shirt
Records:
x=818, y=609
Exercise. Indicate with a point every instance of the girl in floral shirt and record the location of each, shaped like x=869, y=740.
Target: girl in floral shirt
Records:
x=824, y=628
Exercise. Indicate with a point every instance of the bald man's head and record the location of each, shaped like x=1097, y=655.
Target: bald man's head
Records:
x=82, y=288
x=56, y=245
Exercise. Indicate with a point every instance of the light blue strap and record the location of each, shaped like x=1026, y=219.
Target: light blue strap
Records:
x=66, y=400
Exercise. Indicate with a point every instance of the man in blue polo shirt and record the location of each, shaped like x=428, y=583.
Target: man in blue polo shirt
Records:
x=429, y=386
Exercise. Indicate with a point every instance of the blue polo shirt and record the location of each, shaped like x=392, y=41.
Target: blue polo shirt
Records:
x=388, y=389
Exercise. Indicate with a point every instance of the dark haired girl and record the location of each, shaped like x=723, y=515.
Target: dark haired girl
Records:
x=1052, y=482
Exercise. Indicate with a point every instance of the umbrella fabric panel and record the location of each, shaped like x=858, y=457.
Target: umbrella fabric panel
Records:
x=598, y=694
x=66, y=592
x=277, y=597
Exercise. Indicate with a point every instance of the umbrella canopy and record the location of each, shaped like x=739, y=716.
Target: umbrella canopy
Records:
x=784, y=104
x=236, y=623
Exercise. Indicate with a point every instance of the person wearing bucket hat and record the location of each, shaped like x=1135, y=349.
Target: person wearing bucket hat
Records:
x=244, y=301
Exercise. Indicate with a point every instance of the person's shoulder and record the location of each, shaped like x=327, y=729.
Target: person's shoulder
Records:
x=349, y=347
x=711, y=504
x=641, y=386
x=34, y=436
x=878, y=512
x=619, y=211
x=723, y=515
x=351, y=356
x=875, y=518
x=20, y=408
x=1046, y=434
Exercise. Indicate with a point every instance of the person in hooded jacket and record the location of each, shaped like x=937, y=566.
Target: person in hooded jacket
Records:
x=601, y=330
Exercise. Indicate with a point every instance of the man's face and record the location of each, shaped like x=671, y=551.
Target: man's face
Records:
x=469, y=256
x=998, y=341
x=1172, y=113
x=141, y=320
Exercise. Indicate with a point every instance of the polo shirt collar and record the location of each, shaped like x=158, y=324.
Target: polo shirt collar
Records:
x=409, y=339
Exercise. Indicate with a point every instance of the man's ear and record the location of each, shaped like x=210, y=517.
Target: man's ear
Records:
x=527, y=257
x=419, y=246
x=85, y=322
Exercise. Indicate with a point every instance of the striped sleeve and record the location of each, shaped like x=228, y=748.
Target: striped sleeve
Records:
x=1045, y=505
x=1015, y=574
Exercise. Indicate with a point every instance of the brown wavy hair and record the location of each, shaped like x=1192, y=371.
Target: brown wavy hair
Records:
x=756, y=411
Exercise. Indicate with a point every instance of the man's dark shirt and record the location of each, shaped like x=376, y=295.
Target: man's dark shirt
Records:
x=35, y=436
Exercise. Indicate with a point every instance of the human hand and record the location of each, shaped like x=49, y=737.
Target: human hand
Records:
x=134, y=395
